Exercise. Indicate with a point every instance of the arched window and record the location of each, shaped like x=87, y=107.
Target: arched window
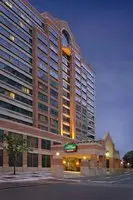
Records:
x=65, y=38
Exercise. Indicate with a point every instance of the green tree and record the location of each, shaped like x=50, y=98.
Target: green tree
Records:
x=128, y=158
x=14, y=144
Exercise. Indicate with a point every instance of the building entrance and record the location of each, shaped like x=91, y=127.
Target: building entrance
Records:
x=71, y=164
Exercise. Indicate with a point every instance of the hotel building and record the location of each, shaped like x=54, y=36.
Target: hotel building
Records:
x=47, y=89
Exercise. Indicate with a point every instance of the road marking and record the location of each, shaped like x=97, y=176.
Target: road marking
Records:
x=100, y=181
x=121, y=180
x=71, y=180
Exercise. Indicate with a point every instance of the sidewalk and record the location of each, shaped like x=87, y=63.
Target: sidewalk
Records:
x=24, y=176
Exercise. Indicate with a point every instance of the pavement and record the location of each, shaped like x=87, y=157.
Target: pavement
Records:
x=81, y=188
x=24, y=177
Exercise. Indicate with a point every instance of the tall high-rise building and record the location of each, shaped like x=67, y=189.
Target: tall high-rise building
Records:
x=47, y=90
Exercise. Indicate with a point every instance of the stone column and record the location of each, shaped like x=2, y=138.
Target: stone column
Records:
x=5, y=158
x=85, y=167
x=5, y=161
x=39, y=155
x=25, y=157
x=57, y=167
x=111, y=166
x=25, y=161
x=93, y=166
x=102, y=165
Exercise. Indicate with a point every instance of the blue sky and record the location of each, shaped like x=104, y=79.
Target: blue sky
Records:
x=104, y=31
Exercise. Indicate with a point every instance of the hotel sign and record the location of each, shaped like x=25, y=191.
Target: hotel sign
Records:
x=70, y=147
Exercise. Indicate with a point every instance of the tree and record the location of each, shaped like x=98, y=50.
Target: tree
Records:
x=14, y=144
x=128, y=158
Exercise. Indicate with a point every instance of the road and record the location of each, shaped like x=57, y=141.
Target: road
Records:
x=117, y=188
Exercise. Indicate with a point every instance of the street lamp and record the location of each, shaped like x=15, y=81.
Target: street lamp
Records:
x=57, y=153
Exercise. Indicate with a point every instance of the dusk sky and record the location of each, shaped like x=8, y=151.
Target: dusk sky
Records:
x=104, y=31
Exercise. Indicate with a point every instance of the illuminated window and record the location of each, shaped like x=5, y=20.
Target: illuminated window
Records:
x=21, y=24
x=8, y=4
x=25, y=90
x=12, y=95
x=12, y=38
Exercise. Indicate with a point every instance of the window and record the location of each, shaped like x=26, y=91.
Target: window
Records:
x=15, y=96
x=84, y=89
x=42, y=56
x=65, y=61
x=90, y=102
x=43, y=127
x=1, y=157
x=77, y=76
x=78, y=91
x=15, y=108
x=54, y=74
x=8, y=4
x=78, y=99
x=65, y=69
x=53, y=40
x=54, y=48
x=53, y=112
x=53, y=84
x=65, y=38
x=84, y=76
x=1, y=135
x=43, y=65
x=43, y=118
x=54, y=32
x=84, y=111
x=43, y=87
x=33, y=141
x=77, y=56
x=66, y=119
x=25, y=90
x=54, y=56
x=65, y=102
x=78, y=123
x=53, y=93
x=84, y=103
x=66, y=86
x=42, y=47
x=54, y=103
x=12, y=38
x=77, y=63
x=15, y=72
x=42, y=97
x=77, y=69
x=43, y=39
x=19, y=160
x=66, y=77
x=46, y=161
x=54, y=65
x=66, y=94
x=84, y=126
x=84, y=95
x=66, y=128
x=78, y=108
x=78, y=84
x=16, y=62
x=54, y=131
x=32, y=160
x=42, y=107
x=66, y=111
x=46, y=144
x=84, y=82
x=91, y=136
x=54, y=123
